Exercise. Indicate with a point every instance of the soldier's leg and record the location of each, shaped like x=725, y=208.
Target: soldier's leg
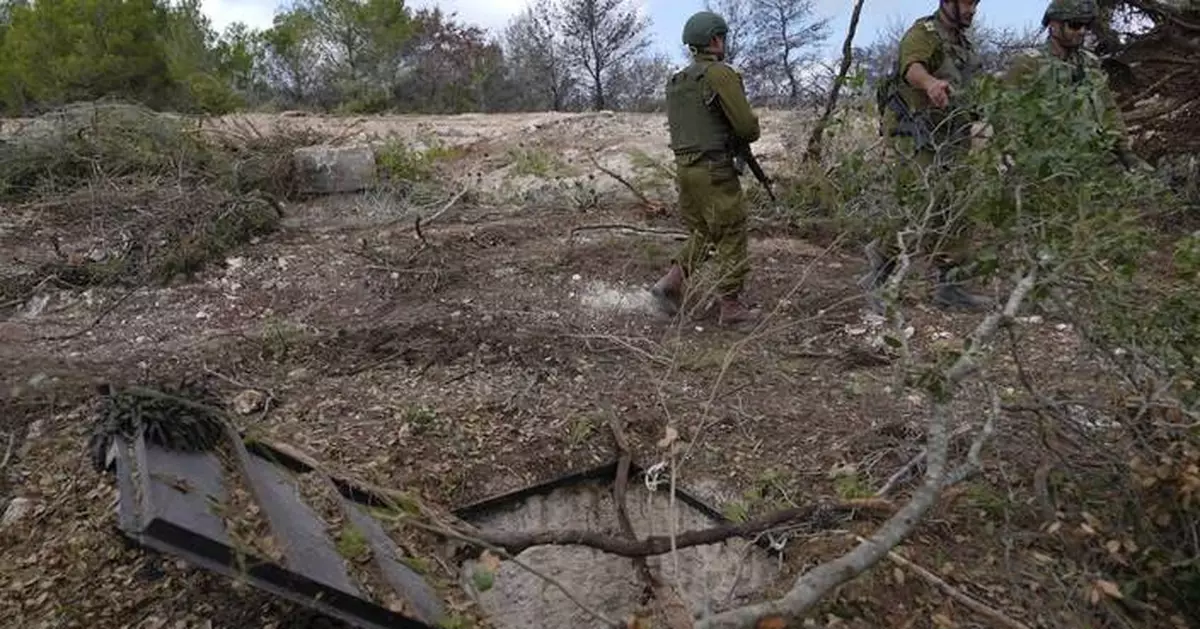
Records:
x=691, y=179
x=726, y=218
x=954, y=267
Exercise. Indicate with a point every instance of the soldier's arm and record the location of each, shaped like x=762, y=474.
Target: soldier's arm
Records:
x=727, y=86
x=917, y=48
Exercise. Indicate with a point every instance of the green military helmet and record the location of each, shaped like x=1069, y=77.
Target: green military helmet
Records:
x=702, y=27
x=1070, y=11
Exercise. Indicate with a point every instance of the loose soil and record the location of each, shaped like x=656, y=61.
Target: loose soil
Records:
x=487, y=355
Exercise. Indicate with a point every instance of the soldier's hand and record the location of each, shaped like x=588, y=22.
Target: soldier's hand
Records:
x=938, y=92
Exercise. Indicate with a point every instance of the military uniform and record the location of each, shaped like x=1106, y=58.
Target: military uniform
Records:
x=925, y=143
x=1081, y=70
x=707, y=112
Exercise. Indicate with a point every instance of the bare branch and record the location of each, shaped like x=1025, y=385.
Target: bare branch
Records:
x=812, y=586
x=515, y=542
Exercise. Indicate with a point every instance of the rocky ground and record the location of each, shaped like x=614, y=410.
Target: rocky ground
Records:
x=486, y=351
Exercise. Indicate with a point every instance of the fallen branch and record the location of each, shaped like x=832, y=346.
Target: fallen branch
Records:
x=674, y=234
x=638, y=193
x=813, y=585
x=953, y=592
x=516, y=542
x=417, y=223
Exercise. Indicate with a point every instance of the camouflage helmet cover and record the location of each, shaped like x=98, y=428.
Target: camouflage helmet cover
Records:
x=702, y=27
x=1070, y=10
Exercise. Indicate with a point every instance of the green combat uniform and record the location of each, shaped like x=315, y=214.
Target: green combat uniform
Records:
x=707, y=112
x=1079, y=69
x=926, y=140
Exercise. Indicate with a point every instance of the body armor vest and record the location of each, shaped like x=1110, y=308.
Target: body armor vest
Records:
x=694, y=115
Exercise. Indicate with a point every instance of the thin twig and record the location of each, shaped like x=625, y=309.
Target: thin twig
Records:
x=673, y=233
x=901, y=474
x=621, y=180
x=454, y=199
x=953, y=592
x=8, y=450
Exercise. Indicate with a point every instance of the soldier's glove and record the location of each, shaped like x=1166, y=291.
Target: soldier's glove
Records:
x=739, y=164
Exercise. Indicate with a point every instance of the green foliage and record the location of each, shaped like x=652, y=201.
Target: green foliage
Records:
x=398, y=161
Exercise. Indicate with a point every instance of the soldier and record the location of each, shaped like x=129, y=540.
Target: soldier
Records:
x=707, y=111
x=935, y=61
x=1068, y=22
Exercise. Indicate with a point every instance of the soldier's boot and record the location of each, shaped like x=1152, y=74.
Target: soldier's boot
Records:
x=950, y=294
x=734, y=313
x=668, y=290
x=879, y=270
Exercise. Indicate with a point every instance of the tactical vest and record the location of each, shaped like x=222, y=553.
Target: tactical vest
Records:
x=955, y=62
x=694, y=115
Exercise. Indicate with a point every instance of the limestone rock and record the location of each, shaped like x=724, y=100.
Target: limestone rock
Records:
x=325, y=169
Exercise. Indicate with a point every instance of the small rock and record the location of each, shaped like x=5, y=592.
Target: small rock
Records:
x=249, y=401
x=298, y=374
x=17, y=509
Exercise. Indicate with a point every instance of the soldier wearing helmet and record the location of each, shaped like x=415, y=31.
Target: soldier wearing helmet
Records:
x=1068, y=22
x=707, y=111
x=928, y=132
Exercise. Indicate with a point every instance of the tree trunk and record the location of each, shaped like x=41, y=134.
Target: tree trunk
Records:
x=813, y=154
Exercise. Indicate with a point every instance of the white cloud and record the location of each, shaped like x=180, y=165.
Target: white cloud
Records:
x=257, y=14
x=490, y=14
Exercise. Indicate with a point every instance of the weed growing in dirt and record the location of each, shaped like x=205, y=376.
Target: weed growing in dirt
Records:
x=399, y=162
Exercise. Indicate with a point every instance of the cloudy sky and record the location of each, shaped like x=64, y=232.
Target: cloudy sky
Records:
x=668, y=15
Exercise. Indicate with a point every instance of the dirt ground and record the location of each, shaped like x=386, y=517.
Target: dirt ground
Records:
x=486, y=355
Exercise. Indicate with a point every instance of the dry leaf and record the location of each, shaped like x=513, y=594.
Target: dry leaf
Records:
x=1054, y=527
x=771, y=622
x=942, y=620
x=489, y=560
x=898, y=575
x=1109, y=588
x=1113, y=546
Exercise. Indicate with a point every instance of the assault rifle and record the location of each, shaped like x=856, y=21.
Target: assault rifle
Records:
x=909, y=124
x=743, y=155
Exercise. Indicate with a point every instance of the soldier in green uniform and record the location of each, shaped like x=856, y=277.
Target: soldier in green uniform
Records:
x=928, y=134
x=1069, y=64
x=707, y=112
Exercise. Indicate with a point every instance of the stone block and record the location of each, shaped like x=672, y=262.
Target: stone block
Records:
x=325, y=169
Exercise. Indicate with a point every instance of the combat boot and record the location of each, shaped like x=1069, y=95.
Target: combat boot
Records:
x=667, y=291
x=734, y=313
x=950, y=294
x=878, y=271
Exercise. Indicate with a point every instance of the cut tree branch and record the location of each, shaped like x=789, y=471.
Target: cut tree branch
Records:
x=813, y=585
x=515, y=542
